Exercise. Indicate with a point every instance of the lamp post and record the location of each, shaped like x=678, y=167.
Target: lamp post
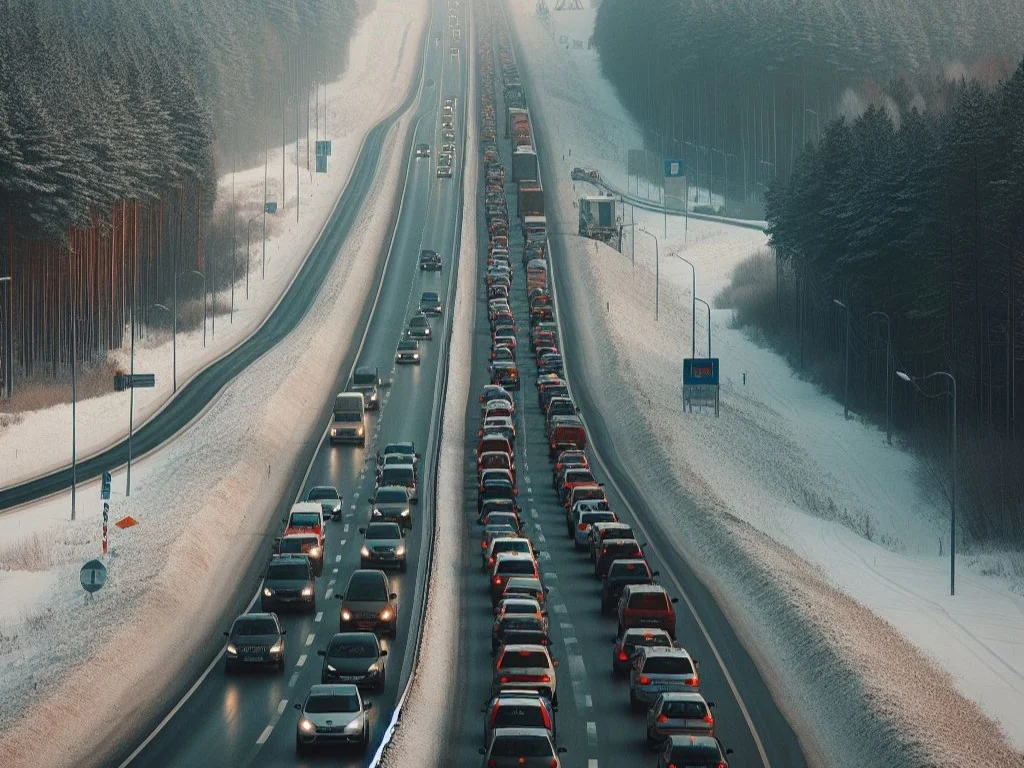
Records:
x=248, y=252
x=888, y=372
x=8, y=359
x=952, y=471
x=657, y=270
x=696, y=152
x=693, y=306
x=709, y=322
x=846, y=367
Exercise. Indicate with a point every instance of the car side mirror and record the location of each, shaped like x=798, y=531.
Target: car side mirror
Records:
x=367, y=705
x=321, y=653
x=339, y=597
x=655, y=573
x=298, y=706
x=227, y=634
x=675, y=599
x=728, y=751
x=554, y=663
x=362, y=531
x=383, y=651
x=284, y=632
x=710, y=703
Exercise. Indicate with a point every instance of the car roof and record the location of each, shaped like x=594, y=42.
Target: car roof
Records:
x=534, y=603
x=289, y=558
x=645, y=632
x=333, y=689
x=645, y=589
x=517, y=647
x=247, y=616
x=400, y=444
x=508, y=556
x=364, y=369
x=301, y=536
x=307, y=506
x=683, y=696
x=660, y=650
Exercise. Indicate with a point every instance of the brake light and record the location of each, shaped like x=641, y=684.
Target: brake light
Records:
x=623, y=656
x=503, y=679
x=545, y=678
x=497, y=579
x=583, y=526
x=644, y=680
x=708, y=719
x=492, y=764
x=490, y=561
x=483, y=545
x=553, y=763
x=695, y=682
x=547, y=717
x=662, y=718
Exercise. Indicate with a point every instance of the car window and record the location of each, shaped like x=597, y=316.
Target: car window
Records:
x=255, y=627
x=305, y=519
x=650, y=601
x=647, y=641
x=383, y=531
x=523, y=659
x=397, y=475
x=597, y=517
x=523, y=622
x=516, y=566
x=298, y=546
x=334, y=702
x=688, y=709
x=398, y=448
x=287, y=572
x=390, y=496
x=511, y=545
x=668, y=665
x=366, y=586
x=316, y=494
x=353, y=648
x=519, y=716
x=520, y=746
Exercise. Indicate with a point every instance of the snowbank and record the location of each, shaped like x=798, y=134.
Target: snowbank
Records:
x=204, y=502
x=812, y=530
x=365, y=93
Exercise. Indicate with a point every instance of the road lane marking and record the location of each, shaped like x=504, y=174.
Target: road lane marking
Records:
x=281, y=706
x=592, y=733
x=533, y=513
x=561, y=609
x=329, y=593
x=331, y=582
x=337, y=558
x=265, y=735
x=310, y=637
x=591, y=763
x=568, y=628
x=334, y=571
x=294, y=679
x=341, y=543
x=590, y=703
x=577, y=693
x=302, y=661
x=552, y=576
x=345, y=529
x=540, y=536
x=319, y=616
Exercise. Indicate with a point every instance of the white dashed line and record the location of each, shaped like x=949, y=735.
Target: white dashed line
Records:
x=552, y=576
x=592, y=733
x=319, y=617
x=294, y=679
x=591, y=763
x=561, y=608
x=533, y=513
x=337, y=558
x=329, y=593
x=341, y=543
x=302, y=661
x=310, y=637
x=590, y=703
x=577, y=693
x=345, y=529
x=331, y=582
x=568, y=628
x=265, y=735
x=541, y=537
x=281, y=706
x=335, y=570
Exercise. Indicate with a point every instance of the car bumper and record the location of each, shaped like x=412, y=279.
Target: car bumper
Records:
x=384, y=559
x=264, y=659
x=659, y=732
x=360, y=680
x=407, y=359
x=650, y=693
x=320, y=738
x=273, y=604
x=338, y=436
x=367, y=625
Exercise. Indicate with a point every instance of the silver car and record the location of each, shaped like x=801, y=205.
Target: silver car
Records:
x=402, y=475
x=583, y=518
x=332, y=714
x=327, y=497
x=383, y=545
x=391, y=503
x=525, y=666
x=655, y=671
x=521, y=748
x=679, y=714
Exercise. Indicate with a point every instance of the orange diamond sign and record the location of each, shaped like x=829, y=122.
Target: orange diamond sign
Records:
x=126, y=522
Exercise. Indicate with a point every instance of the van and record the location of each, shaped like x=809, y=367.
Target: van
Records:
x=348, y=424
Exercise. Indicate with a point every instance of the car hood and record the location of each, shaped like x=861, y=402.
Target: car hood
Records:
x=324, y=719
x=376, y=544
x=286, y=583
x=243, y=640
x=349, y=666
x=393, y=508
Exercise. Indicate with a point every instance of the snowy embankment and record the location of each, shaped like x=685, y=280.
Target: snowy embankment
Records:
x=419, y=738
x=813, y=531
x=366, y=92
x=204, y=503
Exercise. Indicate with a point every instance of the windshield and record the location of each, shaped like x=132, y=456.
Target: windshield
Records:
x=255, y=627
x=649, y=601
x=288, y=572
x=589, y=518
x=680, y=709
x=520, y=746
x=365, y=377
x=398, y=448
x=516, y=566
x=298, y=546
x=321, y=703
x=367, y=587
x=383, y=531
x=400, y=475
x=523, y=660
x=668, y=665
x=519, y=716
x=353, y=648
x=648, y=640
x=408, y=344
x=511, y=545
x=391, y=496
x=316, y=494
x=305, y=520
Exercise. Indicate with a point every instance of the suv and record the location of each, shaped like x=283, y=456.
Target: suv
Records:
x=647, y=605
x=430, y=261
x=655, y=671
x=625, y=645
x=525, y=666
x=289, y=583
x=620, y=574
x=255, y=638
x=368, y=604
x=354, y=657
x=307, y=544
x=521, y=747
x=430, y=303
x=366, y=381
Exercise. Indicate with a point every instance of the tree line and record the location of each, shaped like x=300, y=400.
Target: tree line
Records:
x=116, y=117
x=918, y=214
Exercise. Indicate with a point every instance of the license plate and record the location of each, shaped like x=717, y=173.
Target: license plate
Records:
x=252, y=659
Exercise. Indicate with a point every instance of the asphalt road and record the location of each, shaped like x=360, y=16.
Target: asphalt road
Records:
x=195, y=395
x=594, y=721
x=249, y=719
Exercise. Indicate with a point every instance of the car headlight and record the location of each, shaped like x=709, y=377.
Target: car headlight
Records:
x=376, y=512
x=373, y=668
x=268, y=592
x=331, y=669
x=416, y=356
x=400, y=550
x=365, y=551
x=314, y=552
x=306, y=726
x=275, y=648
x=359, y=431
x=336, y=507
x=426, y=332
x=405, y=513
x=307, y=591
x=355, y=726
x=232, y=651
x=334, y=433
x=346, y=615
x=387, y=614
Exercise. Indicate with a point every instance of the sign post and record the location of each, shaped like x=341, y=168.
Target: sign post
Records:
x=700, y=383
x=674, y=184
x=93, y=576
x=105, y=498
x=132, y=381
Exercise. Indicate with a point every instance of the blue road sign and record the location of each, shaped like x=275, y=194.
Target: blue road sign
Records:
x=105, y=487
x=674, y=169
x=700, y=371
x=93, y=576
x=321, y=163
x=271, y=206
x=323, y=148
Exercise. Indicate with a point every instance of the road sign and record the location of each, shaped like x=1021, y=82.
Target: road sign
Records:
x=270, y=206
x=674, y=169
x=700, y=384
x=321, y=163
x=126, y=522
x=93, y=576
x=123, y=381
x=323, y=148
x=105, y=487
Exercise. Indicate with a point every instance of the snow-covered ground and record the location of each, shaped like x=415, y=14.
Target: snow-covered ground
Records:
x=202, y=502
x=365, y=93
x=835, y=515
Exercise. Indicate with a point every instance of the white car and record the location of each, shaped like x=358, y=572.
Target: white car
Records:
x=332, y=714
x=581, y=531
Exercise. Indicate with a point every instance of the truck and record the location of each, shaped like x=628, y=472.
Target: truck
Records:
x=366, y=381
x=535, y=228
x=524, y=163
x=599, y=217
x=348, y=422
x=518, y=127
x=530, y=199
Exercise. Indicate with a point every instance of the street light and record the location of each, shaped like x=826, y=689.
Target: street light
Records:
x=657, y=270
x=952, y=471
x=888, y=375
x=8, y=359
x=248, y=253
x=693, y=306
x=696, y=148
x=846, y=368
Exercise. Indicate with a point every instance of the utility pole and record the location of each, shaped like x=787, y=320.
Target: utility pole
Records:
x=846, y=367
x=74, y=378
x=657, y=271
x=693, y=306
x=709, y=323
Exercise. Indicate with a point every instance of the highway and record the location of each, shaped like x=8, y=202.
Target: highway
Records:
x=594, y=721
x=193, y=396
x=248, y=719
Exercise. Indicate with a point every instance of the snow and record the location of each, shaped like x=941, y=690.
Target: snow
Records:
x=815, y=534
x=419, y=740
x=202, y=501
x=365, y=93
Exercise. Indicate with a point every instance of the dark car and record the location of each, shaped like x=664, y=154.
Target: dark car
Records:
x=498, y=488
x=408, y=352
x=419, y=327
x=430, y=261
x=328, y=498
x=505, y=374
x=616, y=549
x=521, y=748
x=255, y=639
x=354, y=657
x=625, y=645
x=513, y=629
x=697, y=751
x=620, y=574
x=368, y=604
x=383, y=545
x=518, y=709
x=550, y=363
x=647, y=605
x=289, y=583
x=422, y=150
x=366, y=380
x=430, y=303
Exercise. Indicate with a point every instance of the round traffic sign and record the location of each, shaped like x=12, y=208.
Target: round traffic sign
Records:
x=93, y=576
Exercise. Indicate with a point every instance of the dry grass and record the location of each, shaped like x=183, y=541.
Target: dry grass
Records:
x=43, y=391
x=37, y=552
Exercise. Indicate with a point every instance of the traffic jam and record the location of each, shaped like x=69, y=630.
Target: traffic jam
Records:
x=658, y=675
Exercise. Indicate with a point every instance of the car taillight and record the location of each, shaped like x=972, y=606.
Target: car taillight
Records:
x=663, y=718
x=583, y=526
x=490, y=562
x=694, y=682
x=483, y=545
x=497, y=579
x=494, y=714
x=623, y=656
x=503, y=679
x=547, y=717
x=492, y=764
x=553, y=763
x=545, y=678
x=644, y=680
x=708, y=719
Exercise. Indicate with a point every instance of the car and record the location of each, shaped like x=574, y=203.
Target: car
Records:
x=525, y=606
x=656, y=670
x=622, y=573
x=289, y=583
x=569, y=458
x=679, y=714
x=503, y=354
x=419, y=327
x=494, y=473
x=581, y=520
x=572, y=477
x=448, y=148
x=625, y=645
x=599, y=531
x=525, y=586
x=561, y=406
x=400, y=474
x=430, y=261
x=308, y=544
x=550, y=363
x=509, y=564
x=305, y=517
x=390, y=503
x=255, y=639
x=383, y=545
x=354, y=657
x=332, y=714
x=389, y=460
x=647, y=605
x=496, y=408
x=408, y=351
x=430, y=303
x=500, y=425
x=697, y=751
x=496, y=488
x=505, y=374
x=525, y=666
x=502, y=514
x=448, y=135
x=514, y=629
x=408, y=448
x=565, y=431
x=524, y=708
x=496, y=392
x=327, y=497
x=444, y=171
x=504, y=544
x=616, y=549
x=422, y=150
x=368, y=604
x=521, y=747
x=366, y=380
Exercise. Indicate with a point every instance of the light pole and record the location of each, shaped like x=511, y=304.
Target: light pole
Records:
x=74, y=380
x=8, y=358
x=846, y=367
x=952, y=471
x=888, y=373
x=725, y=193
x=709, y=322
x=657, y=271
x=632, y=244
x=190, y=273
x=248, y=252
x=693, y=306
